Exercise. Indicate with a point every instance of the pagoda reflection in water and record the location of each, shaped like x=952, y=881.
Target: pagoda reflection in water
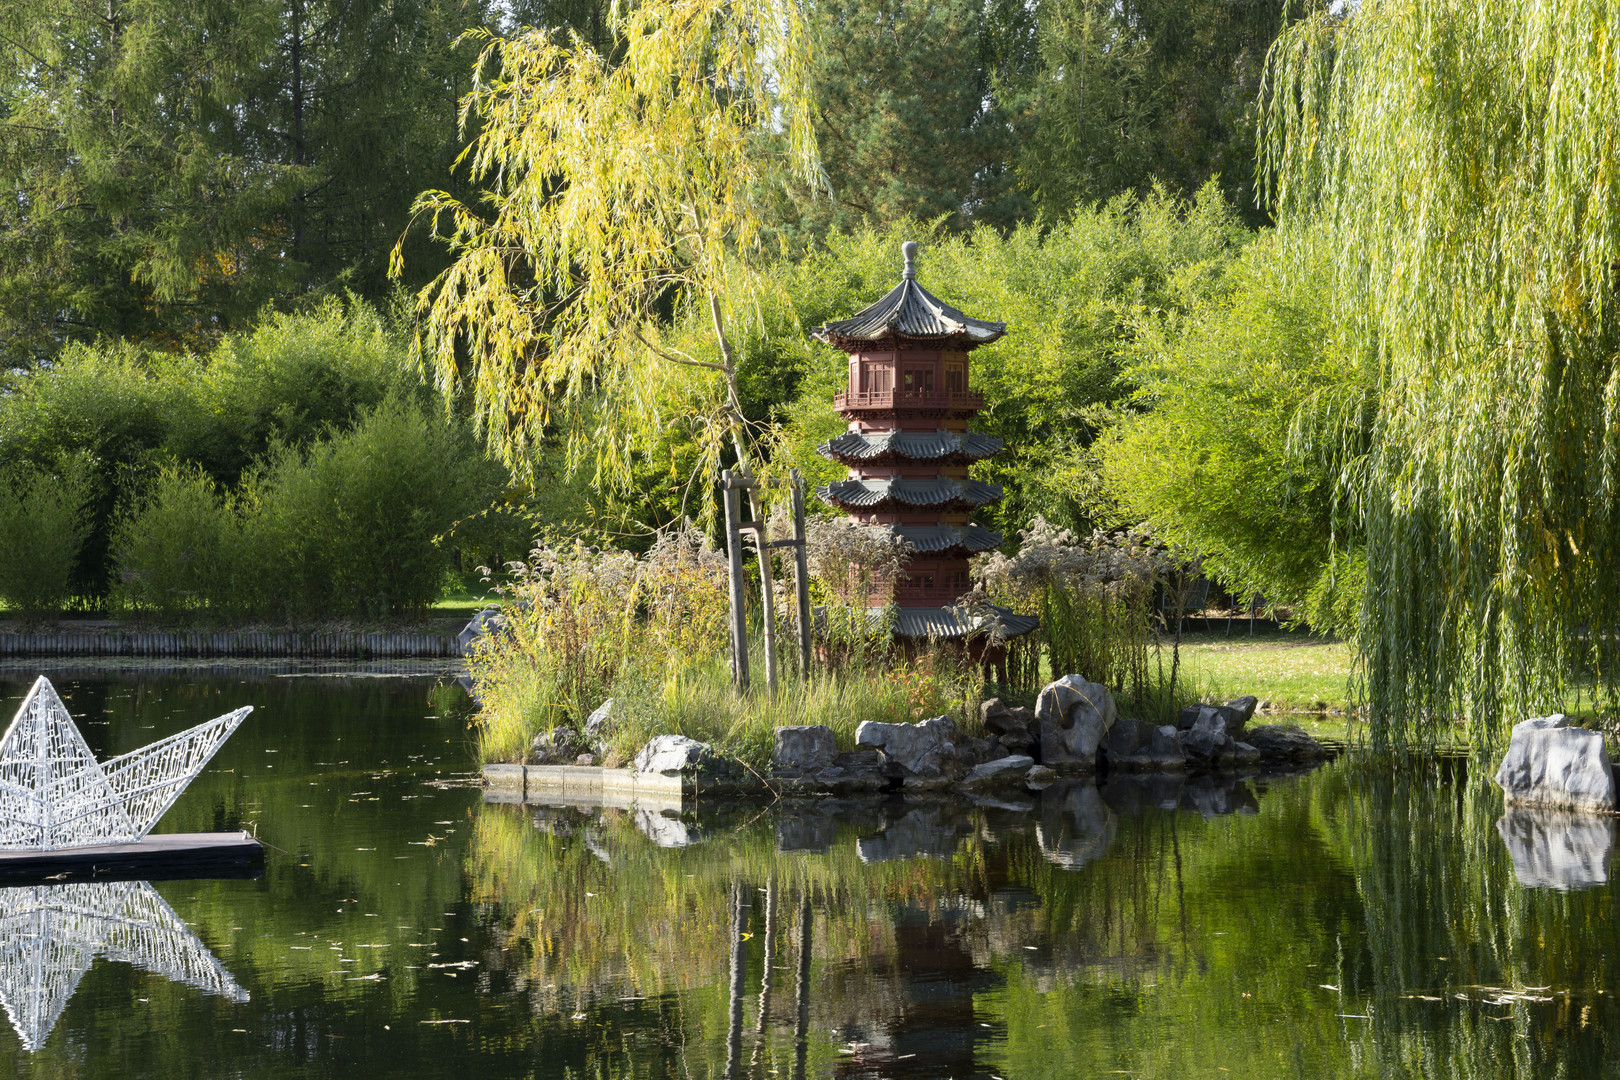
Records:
x=50, y=934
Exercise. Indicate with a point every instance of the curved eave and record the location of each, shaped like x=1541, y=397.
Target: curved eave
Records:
x=859, y=448
x=909, y=313
x=943, y=623
x=948, y=539
x=881, y=495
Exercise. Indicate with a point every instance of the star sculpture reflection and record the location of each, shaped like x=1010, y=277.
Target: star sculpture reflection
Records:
x=55, y=794
x=50, y=934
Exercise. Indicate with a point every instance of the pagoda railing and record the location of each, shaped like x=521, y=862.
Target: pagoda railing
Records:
x=909, y=399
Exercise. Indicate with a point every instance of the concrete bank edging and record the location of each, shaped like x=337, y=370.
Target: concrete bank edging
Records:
x=579, y=780
x=232, y=643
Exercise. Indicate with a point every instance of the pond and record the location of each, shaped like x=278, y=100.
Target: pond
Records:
x=1326, y=924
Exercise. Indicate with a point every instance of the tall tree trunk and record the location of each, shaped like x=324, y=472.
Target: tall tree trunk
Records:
x=297, y=51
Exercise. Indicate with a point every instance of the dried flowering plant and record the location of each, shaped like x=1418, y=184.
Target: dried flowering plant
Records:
x=1095, y=597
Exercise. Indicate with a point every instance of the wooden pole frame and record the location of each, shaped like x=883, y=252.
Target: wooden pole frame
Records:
x=732, y=485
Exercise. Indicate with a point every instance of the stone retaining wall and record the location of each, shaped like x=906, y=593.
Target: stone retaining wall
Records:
x=234, y=643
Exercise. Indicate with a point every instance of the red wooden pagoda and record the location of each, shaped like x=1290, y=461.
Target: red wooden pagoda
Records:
x=908, y=449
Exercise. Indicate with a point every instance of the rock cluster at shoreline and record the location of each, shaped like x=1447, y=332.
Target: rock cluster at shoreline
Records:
x=1074, y=729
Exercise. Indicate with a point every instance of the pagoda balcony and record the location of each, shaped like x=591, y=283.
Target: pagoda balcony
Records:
x=891, y=400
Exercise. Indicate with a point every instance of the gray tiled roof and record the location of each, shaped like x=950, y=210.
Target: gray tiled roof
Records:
x=927, y=539
x=873, y=493
x=909, y=445
x=944, y=622
x=911, y=311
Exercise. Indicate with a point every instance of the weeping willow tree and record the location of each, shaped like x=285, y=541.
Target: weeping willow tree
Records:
x=1464, y=158
x=619, y=187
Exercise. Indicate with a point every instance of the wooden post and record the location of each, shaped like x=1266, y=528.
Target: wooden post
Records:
x=739, y=621
x=801, y=574
x=767, y=594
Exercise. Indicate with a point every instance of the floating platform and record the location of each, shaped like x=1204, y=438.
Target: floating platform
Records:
x=158, y=857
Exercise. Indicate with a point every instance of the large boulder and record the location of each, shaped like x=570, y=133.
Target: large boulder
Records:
x=1279, y=744
x=1557, y=849
x=1551, y=764
x=1013, y=728
x=1135, y=746
x=1007, y=770
x=1074, y=717
x=559, y=746
x=1242, y=710
x=926, y=749
x=599, y=724
x=1207, y=738
x=804, y=748
x=674, y=755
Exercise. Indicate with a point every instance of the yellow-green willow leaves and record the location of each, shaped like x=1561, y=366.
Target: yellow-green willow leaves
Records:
x=1462, y=157
x=618, y=187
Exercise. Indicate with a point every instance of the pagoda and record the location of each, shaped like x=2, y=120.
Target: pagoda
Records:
x=908, y=449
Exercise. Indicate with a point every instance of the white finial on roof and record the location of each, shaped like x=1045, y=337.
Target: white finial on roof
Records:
x=909, y=250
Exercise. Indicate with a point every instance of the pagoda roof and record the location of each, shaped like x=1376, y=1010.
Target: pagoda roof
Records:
x=876, y=447
x=941, y=623
x=912, y=313
x=884, y=493
x=937, y=539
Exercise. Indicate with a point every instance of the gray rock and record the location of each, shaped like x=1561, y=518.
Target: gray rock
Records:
x=1242, y=711
x=1553, y=765
x=804, y=748
x=1284, y=743
x=1074, y=717
x=598, y=724
x=672, y=755
x=1244, y=754
x=488, y=621
x=1137, y=747
x=585, y=759
x=972, y=752
x=1190, y=714
x=1207, y=737
x=559, y=746
x=1007, y=770
x=924, y=749
x=1124, y=738
x=1557, y=849
x=992, y=709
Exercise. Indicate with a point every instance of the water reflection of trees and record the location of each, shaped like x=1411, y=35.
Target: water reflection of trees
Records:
x=1470, y=973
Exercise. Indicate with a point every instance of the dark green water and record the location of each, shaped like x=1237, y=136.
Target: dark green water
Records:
x=1313, y=926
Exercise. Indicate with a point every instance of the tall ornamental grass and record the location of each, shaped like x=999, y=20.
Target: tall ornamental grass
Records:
x=585, y=624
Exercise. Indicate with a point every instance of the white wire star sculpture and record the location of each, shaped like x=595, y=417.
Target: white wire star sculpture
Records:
x=55, y=794
x=50, y=934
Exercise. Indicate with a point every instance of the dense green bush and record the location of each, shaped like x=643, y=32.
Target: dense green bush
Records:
x=1221, y=457
x=43, y=524
x=175, y=551
x=134, y=412
x=351, y=527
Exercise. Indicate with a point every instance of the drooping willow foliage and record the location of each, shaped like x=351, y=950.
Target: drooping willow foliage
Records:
x=1464, y=159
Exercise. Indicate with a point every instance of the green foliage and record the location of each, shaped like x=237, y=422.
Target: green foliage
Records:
x=1131, y=94
x=175, y=551
x=172, y=166
x=143, y=418
x=1458, y=158
x=619, y=184
x=909, y=125
x=43, y=524
x=1073, y=297
x=1212, y=458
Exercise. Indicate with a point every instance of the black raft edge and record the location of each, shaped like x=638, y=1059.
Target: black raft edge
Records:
x=163, y=857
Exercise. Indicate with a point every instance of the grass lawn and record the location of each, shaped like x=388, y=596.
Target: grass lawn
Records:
x=1296, y=672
